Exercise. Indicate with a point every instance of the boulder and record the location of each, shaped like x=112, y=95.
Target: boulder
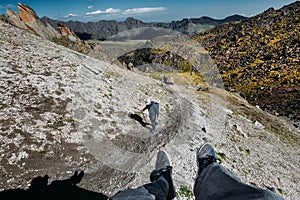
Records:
x=167, y=80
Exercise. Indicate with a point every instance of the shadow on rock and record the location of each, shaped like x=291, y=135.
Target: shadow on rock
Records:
x=139, y=119
x=57, y=190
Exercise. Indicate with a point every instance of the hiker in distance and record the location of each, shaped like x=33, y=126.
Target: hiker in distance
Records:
x=213, y=182
x=153, y=109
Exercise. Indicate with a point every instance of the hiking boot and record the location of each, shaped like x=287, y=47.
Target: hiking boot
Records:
x=205, y=156
x=163, y=168
x=162, y=160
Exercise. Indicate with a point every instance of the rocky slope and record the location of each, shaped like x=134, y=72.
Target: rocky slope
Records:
x=260, y=59
x=62, y=111
x=102, y=30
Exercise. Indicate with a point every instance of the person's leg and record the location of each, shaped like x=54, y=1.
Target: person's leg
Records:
x=152, y=116
x=156, y=190
x=133, y=194
x=162, y=183
x=152, y=120
x=214, y=182
x=161, y=186
x=157, y=110
x=153, y=124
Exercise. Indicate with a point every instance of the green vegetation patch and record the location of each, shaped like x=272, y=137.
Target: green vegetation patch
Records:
x=185, y=191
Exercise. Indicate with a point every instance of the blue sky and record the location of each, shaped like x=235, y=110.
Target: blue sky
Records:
x=146, y=10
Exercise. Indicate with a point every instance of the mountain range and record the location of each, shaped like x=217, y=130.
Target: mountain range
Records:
x=103, y=29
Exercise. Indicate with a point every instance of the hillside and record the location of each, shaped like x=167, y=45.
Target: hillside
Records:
x=63, y=111
x=260, y=58
x=103, y=29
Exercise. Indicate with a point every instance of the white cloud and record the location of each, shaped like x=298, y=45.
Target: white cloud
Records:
x=71, y=15
x=95, y=12
x=127, y=11
x=112, y=10
x=107, y=11
x=90, y=7
x=144, y=10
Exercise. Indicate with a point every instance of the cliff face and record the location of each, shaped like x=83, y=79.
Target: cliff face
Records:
x=259, y=58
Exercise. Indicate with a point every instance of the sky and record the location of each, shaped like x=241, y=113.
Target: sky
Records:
x=145, y=10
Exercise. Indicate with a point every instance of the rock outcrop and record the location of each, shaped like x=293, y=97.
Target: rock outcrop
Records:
x=27, y=19
x=67, y=32
x=27, y=14
x=74, y=42
x=3, y=17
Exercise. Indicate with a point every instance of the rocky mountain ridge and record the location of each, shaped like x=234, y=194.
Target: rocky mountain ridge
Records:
x=260, y=58
x=103, y=29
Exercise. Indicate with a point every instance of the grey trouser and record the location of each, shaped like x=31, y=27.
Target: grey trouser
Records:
x=214, y=183
x=217, y=183
x=157, y=190
x=153, y=114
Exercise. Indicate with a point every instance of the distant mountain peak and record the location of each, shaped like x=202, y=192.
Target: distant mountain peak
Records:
x=235, y=17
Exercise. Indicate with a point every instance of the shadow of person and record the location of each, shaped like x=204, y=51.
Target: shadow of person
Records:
x=57, y=190
x=138, y=118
